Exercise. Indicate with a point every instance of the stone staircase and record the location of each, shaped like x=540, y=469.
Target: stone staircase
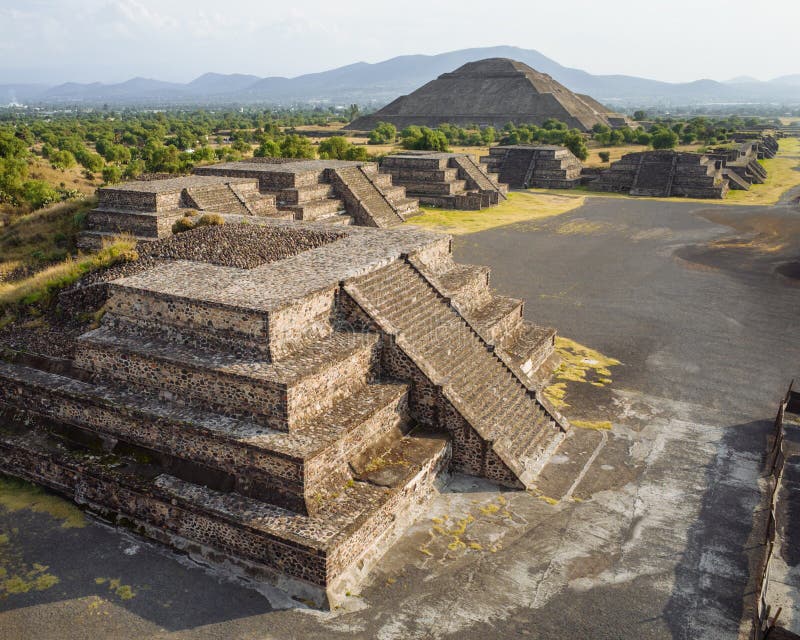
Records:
x=480, y=180
x=484, y=389
x=373, y=206
x=516, y=167
x=218, y=198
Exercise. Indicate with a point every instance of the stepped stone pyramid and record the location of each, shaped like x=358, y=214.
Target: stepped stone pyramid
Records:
x=292, y=417
x=449, y=180
x=740, y=164
x=491, y=92
x=663, y=174
x=329, y=191
x=524, y=166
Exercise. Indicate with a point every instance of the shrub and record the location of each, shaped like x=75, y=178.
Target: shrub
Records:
x=664, y=139
x=573, y=140
x=383, y=133
x=210, y=220
x=605, y=156
x=111, y=174
x=62, y=160
x=414, y=137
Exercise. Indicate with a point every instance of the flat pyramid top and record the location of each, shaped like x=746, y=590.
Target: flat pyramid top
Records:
x=504, y=68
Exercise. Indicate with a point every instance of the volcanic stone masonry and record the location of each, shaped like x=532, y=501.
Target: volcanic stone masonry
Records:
x=663, y=174
x=291, y=416
x=523, y=166
x=449, y=180
x=330, y=191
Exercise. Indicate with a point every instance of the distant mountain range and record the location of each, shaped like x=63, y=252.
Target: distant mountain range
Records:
x=379, y=83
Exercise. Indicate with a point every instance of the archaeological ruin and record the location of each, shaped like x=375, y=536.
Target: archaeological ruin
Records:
x=448, y=180
x=330, y=191
x=663, y=174
x=284, y=397
x=491, y=92
x=545, y=166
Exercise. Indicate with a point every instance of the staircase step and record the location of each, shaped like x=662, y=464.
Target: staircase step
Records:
x=497, y=317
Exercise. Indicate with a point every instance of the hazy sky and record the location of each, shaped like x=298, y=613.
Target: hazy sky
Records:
x=113, y=40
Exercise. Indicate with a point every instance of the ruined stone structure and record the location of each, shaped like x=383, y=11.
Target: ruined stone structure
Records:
x=740, y=164
x=491, y=92
x=449, y=180
x=663, y=174
x=330, y=191
x=292, y=416
x=523, y=166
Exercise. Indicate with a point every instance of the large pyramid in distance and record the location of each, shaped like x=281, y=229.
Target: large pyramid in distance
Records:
x=493, y=92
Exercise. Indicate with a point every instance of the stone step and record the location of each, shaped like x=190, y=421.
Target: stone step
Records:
x=528, y=347
x=135, y=223
x=452, y=187
x=278, y=394
x=313, y=210
x=467, y=284
x=301, y=195
x=219, y=198
x=285, y=468
x=497, y=317
x=320, y=557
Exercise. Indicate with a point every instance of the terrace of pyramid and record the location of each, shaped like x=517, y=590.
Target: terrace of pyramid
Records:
x=331, y=191
x=293, y=414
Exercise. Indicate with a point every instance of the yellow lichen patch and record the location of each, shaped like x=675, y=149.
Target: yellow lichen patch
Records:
x=548, y=500
x=3, y=538
x=579, y=363
x=489, y=509
x=36, y=579
x=16, y=495
x=599, y=425
x=122, y=591
x=519, y=207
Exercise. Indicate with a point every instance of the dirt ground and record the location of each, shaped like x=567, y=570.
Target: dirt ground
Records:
x=680, y=335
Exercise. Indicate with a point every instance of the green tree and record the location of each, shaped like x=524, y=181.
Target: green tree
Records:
x=268, y=149
x=415, y=137
x=383, y=133
x=573, y=140
x=37, y=193
x=295, y=146
x=352, y=112
x=639, y=115
x=664, y=139
x=605, y=156
x=62, y=160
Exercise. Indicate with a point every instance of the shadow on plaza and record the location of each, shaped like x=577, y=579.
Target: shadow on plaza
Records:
x=716, y=578
x=172, y=594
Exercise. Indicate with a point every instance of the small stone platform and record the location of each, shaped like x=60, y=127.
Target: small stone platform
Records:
x=448, y=180
x=525, y=166
x=665, y=174
x=292, y=414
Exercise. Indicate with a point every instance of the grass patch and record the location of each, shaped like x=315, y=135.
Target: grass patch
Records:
x=782, y=175
x=579, y=363
x=597, y=425
x=38, y=289
x=519, y=207
x=43, y=236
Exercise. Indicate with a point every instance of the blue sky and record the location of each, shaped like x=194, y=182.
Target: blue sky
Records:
x=673, y=40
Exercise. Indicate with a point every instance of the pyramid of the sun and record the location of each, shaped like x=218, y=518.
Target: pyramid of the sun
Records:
x=493, y=92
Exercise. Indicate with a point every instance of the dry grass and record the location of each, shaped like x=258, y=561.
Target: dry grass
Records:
x=41, y=237
x=520, y=207
x=782, y=174
x=71, y=178
x=39, y=288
